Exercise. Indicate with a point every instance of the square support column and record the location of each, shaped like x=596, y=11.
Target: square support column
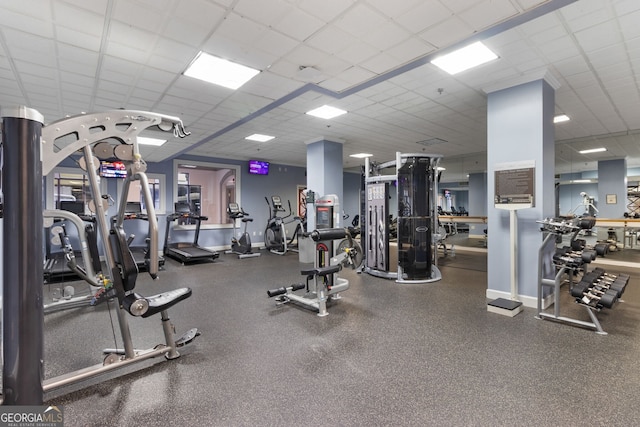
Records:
x=324, y=173
x=519, y=129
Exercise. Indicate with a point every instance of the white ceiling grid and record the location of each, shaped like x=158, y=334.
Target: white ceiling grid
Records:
x=67, y=56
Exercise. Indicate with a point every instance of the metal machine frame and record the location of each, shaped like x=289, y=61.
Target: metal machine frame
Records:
x=553, y=230
x=374, y=181
x=41, y=149
x=323, y=283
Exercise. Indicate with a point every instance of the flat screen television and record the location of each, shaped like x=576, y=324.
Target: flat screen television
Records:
x=257, y=167
x=113, y=169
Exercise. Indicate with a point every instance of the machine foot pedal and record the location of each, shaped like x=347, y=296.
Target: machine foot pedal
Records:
x=187, y=337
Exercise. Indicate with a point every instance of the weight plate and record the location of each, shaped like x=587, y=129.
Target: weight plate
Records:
x=103, y=150
x=83, y=163
x=110, y=359
x=124, y=152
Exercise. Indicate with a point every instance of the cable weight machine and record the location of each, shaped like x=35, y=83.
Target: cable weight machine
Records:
x=413, y=258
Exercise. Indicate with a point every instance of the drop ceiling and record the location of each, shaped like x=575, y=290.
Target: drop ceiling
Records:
x=369, y=57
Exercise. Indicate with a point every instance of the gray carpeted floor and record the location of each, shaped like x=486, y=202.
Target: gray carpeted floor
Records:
x=387, y=355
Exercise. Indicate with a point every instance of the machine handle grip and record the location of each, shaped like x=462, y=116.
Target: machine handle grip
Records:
x=283, y=290
x=276, y=292
x=324, y=234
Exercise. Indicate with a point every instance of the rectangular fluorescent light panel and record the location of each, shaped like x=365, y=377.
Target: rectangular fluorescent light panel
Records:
x=561, y=118
x=580, y=181
x=219, y=71
x=467, y=57
x=259, y=137
x=326, y=112
x=593, y=150
x=143, y=140
x=360, y=155
x=440, y=168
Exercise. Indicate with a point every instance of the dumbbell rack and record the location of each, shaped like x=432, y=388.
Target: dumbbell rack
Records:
x=554, y=229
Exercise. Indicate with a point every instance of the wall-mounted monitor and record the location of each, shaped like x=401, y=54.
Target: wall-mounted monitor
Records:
x=113, y=169
x=257, y=167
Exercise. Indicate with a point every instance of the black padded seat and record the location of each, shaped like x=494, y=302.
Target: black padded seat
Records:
x=134, y=303
x=158, y=302
x=321, y=271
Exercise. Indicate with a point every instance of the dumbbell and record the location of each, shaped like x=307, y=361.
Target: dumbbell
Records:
x=601, y=249
x=606, y=279
x=568, y=261
x=578, y=244
x=587, y=293
x=285, y=289
x=615, y=276
x=586, y=255
x=586, y=223
x=618, y=285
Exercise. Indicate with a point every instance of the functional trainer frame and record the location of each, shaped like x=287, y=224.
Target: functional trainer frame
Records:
x=416, y=190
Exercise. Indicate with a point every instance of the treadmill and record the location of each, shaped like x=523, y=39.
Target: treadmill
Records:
x=140, y=253
x=186, y=252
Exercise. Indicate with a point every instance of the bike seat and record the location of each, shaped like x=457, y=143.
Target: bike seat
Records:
x=247, y=219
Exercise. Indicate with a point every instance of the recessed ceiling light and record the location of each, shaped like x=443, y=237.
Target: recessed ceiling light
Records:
x=561, y=118
x=143, y=140
x=593, y=150
x=259, y=137
x=219, y=71
x=467, y=57
x=580, y=181
x=326, y=112
x=360, y=155
x=440, y=168
x=188, y=166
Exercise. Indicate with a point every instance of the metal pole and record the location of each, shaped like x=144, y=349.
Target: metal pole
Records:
x=23, y=314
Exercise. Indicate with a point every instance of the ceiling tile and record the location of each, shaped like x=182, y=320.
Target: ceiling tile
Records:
x=446, y=33
x=488, y=12
x=327, y=10
x=423, y=16
x=299, y=25
x=267, y=13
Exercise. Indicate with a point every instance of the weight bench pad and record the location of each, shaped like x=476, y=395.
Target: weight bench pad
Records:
x=163, y=301
x=321, y=271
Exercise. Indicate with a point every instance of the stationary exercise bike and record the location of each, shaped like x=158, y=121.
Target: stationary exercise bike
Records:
x=242, y=246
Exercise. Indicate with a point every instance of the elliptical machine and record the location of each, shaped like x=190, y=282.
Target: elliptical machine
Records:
x=242, y=246
x=275, y=237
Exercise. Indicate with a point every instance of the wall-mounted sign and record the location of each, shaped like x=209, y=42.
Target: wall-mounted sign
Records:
x=515, y=184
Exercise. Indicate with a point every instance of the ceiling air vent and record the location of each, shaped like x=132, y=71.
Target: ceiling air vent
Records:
x=432, y=141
